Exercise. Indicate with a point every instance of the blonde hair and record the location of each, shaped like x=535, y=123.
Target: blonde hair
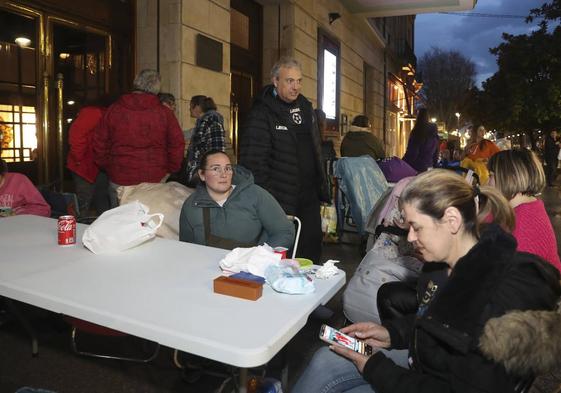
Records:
x=434, y=191
x=517, y=171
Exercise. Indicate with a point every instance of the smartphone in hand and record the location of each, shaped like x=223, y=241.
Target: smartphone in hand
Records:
x=334, y=336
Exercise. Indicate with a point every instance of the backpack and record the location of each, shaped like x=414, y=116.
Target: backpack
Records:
x=389, y=260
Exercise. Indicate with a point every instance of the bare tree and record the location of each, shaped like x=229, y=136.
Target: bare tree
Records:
x=448, y=77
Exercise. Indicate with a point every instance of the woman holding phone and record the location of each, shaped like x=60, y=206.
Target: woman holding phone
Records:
x=486, y=278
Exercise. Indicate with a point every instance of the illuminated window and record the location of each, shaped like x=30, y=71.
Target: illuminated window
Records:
x=18, y=82
x=329, y=79
x=18, y=132
x=329, y=104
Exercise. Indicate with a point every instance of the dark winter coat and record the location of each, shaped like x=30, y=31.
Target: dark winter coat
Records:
x=138, y=140
x=268, y=147
x=444, y=337
x=360, y=141
x=421, y=152
x=551, y=149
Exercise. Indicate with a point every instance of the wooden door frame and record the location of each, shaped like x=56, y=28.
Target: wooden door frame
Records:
x=57, y=122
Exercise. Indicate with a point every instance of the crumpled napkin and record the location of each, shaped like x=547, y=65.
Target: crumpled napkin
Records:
x=254, y=260
x=327, y=270
x=286, y=278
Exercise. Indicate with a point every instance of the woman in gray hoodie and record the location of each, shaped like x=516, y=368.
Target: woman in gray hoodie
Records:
x=228, y=210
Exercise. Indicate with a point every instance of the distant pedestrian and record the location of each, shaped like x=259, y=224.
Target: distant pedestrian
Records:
x=168, y=99
x=481, y=148
x=551, y=152
x=280, y=143
x=422, y=147
x=207, y=135
x=360, y=140
x=138, y=139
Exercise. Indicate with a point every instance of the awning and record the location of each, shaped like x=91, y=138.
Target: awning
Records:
x=383, y=8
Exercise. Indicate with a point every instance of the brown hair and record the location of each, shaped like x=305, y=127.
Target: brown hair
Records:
x=207, y=154
x=517, y=171
x=434, y=191
x=206, y=103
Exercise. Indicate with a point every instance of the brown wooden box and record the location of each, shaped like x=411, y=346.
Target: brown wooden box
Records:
x=244, y=289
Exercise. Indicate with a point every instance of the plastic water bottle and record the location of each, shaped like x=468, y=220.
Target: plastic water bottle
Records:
x=263, y=385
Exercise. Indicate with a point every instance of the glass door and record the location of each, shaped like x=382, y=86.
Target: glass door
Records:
x=81, y=62
x=49, y=68
x=20, y=53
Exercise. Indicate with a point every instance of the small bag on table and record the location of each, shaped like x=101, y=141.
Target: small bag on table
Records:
x=121, y=228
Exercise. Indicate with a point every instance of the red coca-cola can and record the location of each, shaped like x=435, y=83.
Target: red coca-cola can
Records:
x=66, y=230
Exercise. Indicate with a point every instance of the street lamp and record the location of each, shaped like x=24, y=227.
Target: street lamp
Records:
x=433, y=119
x=458, y=117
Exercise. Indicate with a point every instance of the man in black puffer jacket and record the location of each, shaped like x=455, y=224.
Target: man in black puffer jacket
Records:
x=280, y=143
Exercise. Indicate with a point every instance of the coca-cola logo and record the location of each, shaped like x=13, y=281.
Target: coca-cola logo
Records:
x=65, y=225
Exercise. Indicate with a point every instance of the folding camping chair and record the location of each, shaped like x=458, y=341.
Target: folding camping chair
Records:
x=79, y=326
x=298, y=224
x=361, y=183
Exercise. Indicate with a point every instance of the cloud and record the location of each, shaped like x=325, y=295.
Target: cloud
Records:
x=474, y=36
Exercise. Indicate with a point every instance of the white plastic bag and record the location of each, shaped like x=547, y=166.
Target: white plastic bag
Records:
x=121, y=228
x=254, y=260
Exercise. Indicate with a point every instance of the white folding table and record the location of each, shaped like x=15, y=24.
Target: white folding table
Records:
x=161, y=291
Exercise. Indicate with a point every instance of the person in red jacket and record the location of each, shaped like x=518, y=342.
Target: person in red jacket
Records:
x=138, y=139
x=80, y=161
x=19, y=196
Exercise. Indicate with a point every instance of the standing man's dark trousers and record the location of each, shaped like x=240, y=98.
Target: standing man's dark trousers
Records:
x=311, y=236
x=550, y=171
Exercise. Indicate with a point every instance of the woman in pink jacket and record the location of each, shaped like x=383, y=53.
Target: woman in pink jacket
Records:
x=19, y=196
x=519, y=176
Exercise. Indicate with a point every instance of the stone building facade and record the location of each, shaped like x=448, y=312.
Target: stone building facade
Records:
x=58, y=55
x=368, y=55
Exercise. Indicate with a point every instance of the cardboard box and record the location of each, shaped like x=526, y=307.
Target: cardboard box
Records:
x=244, y=289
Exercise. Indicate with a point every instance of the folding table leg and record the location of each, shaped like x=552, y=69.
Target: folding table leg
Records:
x=26, y=325
x=284, y=376
x=243, y=381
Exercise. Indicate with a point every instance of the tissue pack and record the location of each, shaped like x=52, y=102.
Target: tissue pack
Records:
x=244, y=289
